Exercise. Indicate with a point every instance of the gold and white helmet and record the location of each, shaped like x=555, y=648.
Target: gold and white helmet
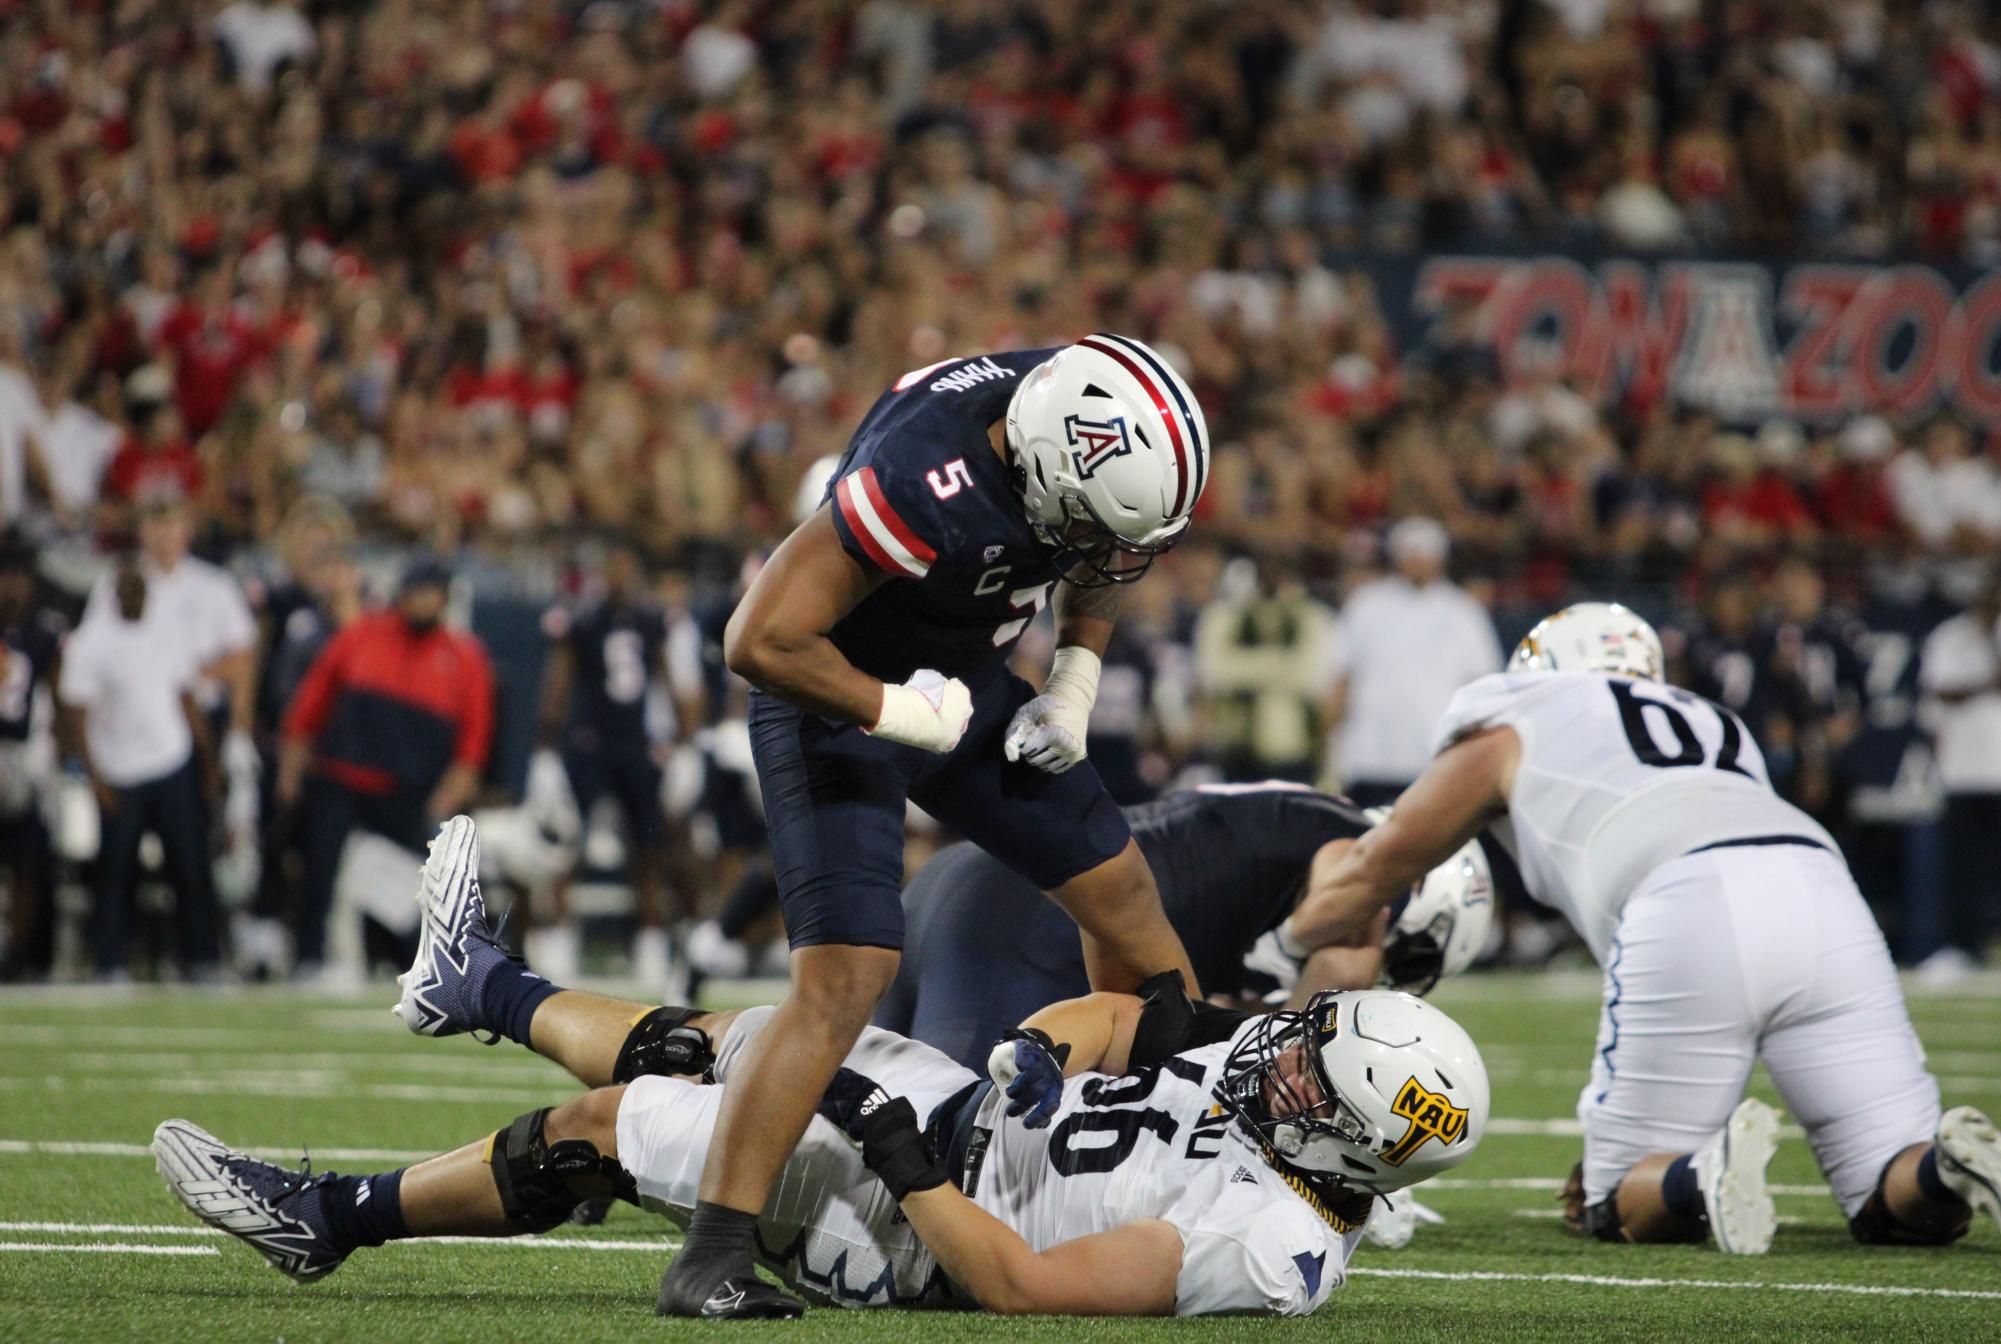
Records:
x=1592, y=637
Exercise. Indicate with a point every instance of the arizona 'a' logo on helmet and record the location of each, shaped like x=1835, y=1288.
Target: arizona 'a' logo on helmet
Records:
x=1095, y=442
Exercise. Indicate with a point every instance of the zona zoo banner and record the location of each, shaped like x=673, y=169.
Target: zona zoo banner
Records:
x=1744, y=339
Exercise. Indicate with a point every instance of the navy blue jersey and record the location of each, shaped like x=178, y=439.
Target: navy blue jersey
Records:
x=921, y=495
x=31, y=651
x=615, y=652
x=984, y=949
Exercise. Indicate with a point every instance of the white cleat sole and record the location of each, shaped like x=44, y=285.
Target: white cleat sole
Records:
x=1731, y=1172
x=189, y=1159
x=453, y=855
x=1968, y=1141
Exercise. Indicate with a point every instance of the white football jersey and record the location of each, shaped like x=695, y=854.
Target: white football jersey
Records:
x=1617, y=776
x=1157, y=1145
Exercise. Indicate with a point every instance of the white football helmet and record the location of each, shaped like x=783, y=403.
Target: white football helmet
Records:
x=1592, y=637
x=1363, y=1090
x=1110, y=453
x=1443, y=925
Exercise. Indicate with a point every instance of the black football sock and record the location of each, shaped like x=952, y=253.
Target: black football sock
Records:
x=1679, y=1190
x=364, y=1210
x=719, y=1245
x=1929, y=1182
x=510, y=996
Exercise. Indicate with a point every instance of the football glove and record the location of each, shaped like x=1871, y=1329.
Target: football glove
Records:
x=1048, y=732
x=930, y=710
x=1028, y=1066
x=1278, y=955
x=885, y=1129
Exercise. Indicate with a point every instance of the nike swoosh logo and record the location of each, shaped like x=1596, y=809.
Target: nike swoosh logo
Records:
x=720, y=1303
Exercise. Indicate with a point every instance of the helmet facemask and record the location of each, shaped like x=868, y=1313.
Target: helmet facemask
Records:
x=1086, y=551
x=1275, y=1083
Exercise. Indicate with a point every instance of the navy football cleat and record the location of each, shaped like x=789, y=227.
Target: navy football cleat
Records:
x=276, y=1210
x=456, y=950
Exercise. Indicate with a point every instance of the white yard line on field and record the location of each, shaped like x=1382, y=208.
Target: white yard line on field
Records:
x=134, y=1229
x=291, y=1153
x=260, y=1085
x=562, y=1243
x=1785, y=1219
x=555, y=1243
x=1552, y=1183
x=106, y=1248
x=1608, y=1281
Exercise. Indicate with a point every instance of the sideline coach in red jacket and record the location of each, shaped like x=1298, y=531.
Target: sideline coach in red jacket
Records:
x=394, y=719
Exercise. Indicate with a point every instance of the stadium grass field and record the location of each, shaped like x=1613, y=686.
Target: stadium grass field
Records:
x=92, y=1247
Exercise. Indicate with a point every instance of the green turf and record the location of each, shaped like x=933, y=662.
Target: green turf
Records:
x=268, y=1069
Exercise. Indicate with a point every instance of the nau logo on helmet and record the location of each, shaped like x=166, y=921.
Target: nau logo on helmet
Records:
x=1096, y=442
x=1431, y=1117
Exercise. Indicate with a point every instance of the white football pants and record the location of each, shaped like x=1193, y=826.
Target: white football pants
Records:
x=1737, y=954
x=829, y=1229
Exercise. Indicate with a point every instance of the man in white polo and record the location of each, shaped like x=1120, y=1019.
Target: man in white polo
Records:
x=126, y=687
x=1406, y=642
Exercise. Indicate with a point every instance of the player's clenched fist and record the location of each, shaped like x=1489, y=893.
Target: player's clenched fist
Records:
x=929, y=711
x=1048, y=731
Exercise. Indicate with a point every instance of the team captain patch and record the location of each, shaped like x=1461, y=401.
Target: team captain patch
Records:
x=1431, y=1117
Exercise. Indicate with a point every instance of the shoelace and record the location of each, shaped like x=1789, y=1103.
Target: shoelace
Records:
x=257, y=1173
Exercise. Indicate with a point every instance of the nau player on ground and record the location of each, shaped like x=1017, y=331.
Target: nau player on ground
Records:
x=974, y=493
x=984, y=950
x=1131, y=1155
x=1729, y=929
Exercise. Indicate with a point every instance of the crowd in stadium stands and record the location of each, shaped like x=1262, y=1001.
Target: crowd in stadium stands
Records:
x=500, y=282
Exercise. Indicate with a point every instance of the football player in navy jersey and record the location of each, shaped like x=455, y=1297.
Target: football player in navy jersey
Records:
x=974, y=492
x=604, y=659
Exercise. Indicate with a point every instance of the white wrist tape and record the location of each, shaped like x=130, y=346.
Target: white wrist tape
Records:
x=914, y=716
x=1073, y=677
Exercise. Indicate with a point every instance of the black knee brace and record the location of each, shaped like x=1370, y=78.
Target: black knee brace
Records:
x=1874, y=1225
x=1601, y=1220
x=661, y=1042
x=541, y=1182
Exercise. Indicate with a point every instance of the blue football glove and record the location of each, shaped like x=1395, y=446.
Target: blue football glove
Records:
x=1028, y=1067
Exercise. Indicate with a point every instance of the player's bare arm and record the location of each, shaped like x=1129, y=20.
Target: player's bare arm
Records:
x=1463, y=789
x=1086, y=616
x=1128, y=1271
x=777, y=637
x=1098, y=1028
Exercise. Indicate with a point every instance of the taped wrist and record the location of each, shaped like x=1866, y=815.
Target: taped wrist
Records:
x=1073, y=677
x=1059, y=1053
x=907, y=716
x=661, y=1042
x=541, y=1183
x=893, y=1147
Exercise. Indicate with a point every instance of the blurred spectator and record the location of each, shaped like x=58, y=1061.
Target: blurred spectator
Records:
x=1263, y=650
x=1961, y=675
x=30, y=641
x=263, y=37
x=608, y=690
x=389, y=732
x=205, y=607
x=128, y=682
x=1406, y=642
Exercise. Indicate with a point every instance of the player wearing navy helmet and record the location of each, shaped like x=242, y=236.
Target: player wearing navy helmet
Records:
x=975, y=492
